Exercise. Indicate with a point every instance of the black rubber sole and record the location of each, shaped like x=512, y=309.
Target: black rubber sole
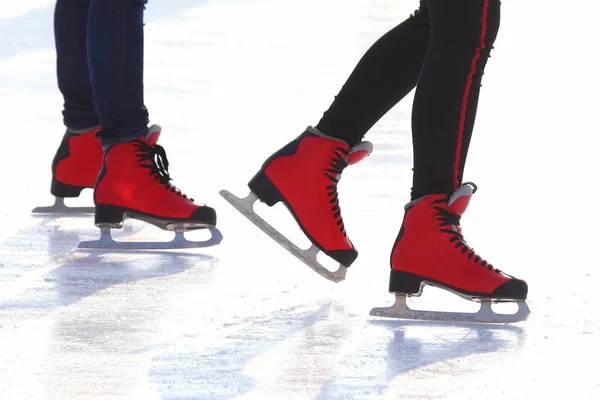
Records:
x=410, y=284
x=108, y=215
x=59, y=189
x=268, y=193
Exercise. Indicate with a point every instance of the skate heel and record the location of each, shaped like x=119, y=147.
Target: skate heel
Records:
x=264, y=189
x=62, y=190
x=109, y=216
x=405, y=283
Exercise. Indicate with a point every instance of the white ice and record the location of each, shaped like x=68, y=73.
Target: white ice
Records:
x=230, y=81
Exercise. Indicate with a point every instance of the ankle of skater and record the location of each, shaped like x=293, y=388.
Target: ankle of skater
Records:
x=351, y=139
x=115, y=134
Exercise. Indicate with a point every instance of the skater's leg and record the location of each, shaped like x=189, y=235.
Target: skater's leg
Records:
x=134, y=180
x=387, y=72
x=115, y=44
x=462, y=35
x=70, y=26
x=304, y=174
x=430, y=246
x=78, y=158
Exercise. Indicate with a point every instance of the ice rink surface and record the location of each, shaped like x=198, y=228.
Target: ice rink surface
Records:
x=231, y=81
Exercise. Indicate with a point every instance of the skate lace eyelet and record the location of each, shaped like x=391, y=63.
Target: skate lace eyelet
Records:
x=446, y=219
x=337, y=163
x=155, y=159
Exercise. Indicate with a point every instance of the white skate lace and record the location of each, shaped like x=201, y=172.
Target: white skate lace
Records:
x=155, y=159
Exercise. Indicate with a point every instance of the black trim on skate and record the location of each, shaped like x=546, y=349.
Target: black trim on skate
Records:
x=288, y=150
x=57, y=188
x=107, y=214
x=63, y=151
x=410, y=284
x=264, y=189
x=268, y=193
x=507, y=289
x=62, y=190
x=102, y=172
x=400, y=234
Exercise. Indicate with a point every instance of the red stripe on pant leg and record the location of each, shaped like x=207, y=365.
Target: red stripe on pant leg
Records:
x=463, y=111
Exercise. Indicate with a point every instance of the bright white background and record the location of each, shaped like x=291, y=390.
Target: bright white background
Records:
x=232, y=81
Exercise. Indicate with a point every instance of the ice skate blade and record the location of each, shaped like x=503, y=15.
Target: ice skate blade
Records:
x=485, y=315
x=106, y=242
x=246, y=207
x=60, y=208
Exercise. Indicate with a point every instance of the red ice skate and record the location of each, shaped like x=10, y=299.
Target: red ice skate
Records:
x=304, y=175
x=134, y=182
x=75, y=167
x=431, y=250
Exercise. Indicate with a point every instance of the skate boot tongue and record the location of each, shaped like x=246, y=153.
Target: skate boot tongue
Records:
x=360, y=152
x=459, y=201
x=153, y=135
x=356, y=153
